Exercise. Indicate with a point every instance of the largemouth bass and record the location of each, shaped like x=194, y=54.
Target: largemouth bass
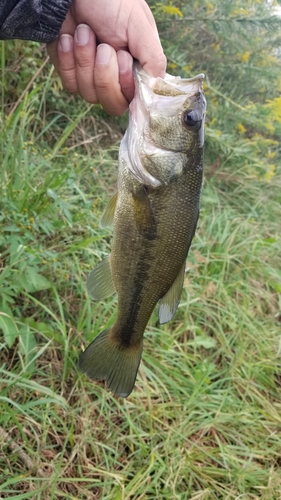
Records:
x=154, y=214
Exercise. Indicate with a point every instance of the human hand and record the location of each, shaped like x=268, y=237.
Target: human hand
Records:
x=98, y=41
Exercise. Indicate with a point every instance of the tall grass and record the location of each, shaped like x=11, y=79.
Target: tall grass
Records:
x=204, y=419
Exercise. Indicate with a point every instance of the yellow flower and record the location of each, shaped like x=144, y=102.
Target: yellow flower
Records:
x=270, y=154
x=275, y=108
x=216, y=46
x=172, y=65
x=241, y=128
x=210, y=8
x=244, y=57
x=171, y=10
x=270, y=173
x=240, y=12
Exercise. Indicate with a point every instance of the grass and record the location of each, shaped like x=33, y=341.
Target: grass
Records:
x=203, y=422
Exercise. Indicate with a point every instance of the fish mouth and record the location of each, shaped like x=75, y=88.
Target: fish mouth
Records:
x=174, y=86
x=169, y=85
x=167, y=94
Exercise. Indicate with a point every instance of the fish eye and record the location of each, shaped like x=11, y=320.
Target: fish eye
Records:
x=192, y=119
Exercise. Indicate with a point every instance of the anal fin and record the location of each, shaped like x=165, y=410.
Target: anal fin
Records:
x=170, y=301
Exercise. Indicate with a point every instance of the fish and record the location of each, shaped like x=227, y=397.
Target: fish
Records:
x=154, y=215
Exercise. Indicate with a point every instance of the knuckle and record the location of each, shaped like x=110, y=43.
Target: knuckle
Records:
x=105, y=81
x=83, y=59
x=66, y=65
x=69, y=84
x=102, y=86
x=71, y=90
x=92, y=99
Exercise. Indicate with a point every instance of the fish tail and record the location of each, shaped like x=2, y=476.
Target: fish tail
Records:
x=107, y=359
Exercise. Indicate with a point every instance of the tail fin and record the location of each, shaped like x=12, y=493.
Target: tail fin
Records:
x=105, y=359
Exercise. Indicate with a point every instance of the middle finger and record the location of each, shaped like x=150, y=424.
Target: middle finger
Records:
x=84, y=54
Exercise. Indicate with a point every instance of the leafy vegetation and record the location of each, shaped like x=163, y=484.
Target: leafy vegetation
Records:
x=204, y=420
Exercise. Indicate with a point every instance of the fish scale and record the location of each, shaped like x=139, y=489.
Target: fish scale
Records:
x=154, y=216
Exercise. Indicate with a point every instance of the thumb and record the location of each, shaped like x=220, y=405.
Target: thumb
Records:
x=144, y=43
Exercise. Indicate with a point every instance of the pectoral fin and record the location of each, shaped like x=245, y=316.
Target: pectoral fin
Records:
x=108, y=213
x=143, y=214
x=170, y=301
x=99, y=282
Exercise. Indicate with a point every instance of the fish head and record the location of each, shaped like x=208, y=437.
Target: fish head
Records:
x=166, y=118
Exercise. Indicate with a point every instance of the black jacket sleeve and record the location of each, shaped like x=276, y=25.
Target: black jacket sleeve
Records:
x=37, y=20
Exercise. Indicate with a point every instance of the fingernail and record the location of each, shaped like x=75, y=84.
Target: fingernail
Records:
x=65, y=42
x=103, y=54
x=82, y=34
x=123, y=61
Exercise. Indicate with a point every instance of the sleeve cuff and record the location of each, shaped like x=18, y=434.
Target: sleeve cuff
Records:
x=35, y=20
